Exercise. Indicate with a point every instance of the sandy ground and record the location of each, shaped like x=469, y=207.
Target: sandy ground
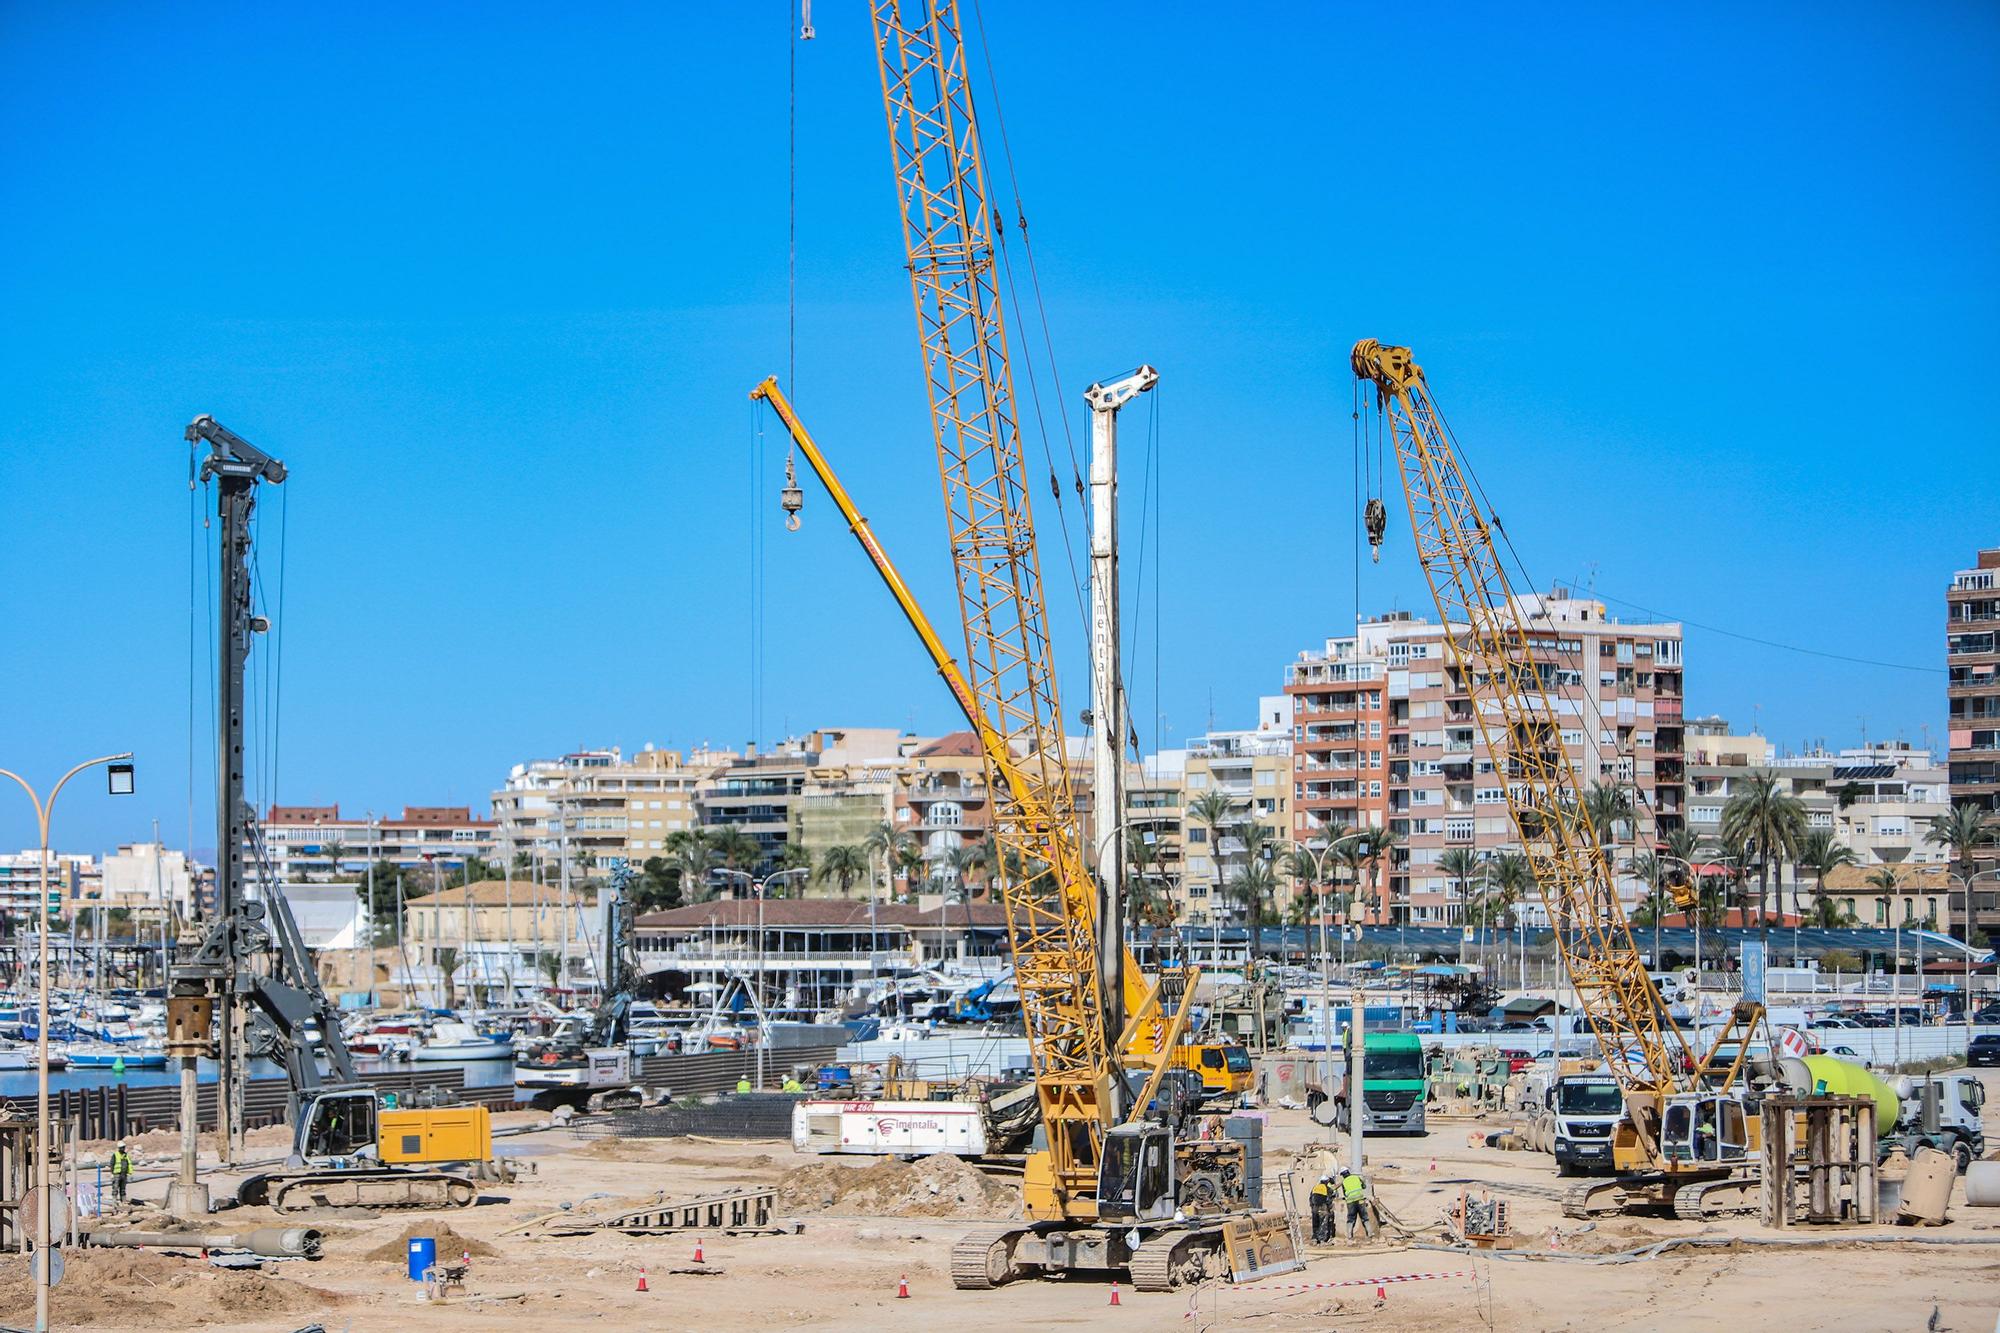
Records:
x=840, y=1272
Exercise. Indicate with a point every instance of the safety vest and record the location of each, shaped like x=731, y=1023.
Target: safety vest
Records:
x=1352, y=1188
x=1322, y=1188
x=121, y=1163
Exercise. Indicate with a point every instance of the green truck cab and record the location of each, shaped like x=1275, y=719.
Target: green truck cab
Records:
x=1394, y=1085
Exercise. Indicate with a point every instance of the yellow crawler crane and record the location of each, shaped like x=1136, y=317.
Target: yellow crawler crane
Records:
x=1689, y=1140
x=1110, y=1192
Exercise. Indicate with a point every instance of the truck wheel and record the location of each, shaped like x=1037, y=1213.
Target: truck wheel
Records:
x=1564, y=1168
x=1961, y=1155
x=1340, y=1116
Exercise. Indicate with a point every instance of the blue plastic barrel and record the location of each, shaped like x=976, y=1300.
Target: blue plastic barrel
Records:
x=423, y=1256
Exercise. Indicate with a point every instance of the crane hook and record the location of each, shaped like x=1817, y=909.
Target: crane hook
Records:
x=791, y=499
x=1375, y=517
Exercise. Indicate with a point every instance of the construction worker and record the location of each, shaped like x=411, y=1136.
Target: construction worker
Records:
x=121, y=1173
x=743, y=1085
x=792, y=1084
x=1360, y=1216
x=1322, y=1210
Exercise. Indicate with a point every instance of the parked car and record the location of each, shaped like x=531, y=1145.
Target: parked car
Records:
x=1988, y=1014
x=1985, y=1050
x=1847, y=1053
x=1837, y=1021
x=1517, y=1060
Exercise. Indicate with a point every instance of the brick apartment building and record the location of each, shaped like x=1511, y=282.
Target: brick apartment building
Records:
x=1385, y=736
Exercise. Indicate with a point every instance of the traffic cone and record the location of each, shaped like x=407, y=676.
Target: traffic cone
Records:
x=1381, y=1294
x=1434, y=1163
x=697, y=1251
x=903, y=1287
x=1114, y=1291
x=642, y=1278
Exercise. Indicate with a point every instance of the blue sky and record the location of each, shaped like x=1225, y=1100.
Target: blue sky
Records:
x=1709, y=295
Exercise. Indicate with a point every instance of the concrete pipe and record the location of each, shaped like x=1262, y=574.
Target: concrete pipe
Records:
x=1982, y=1185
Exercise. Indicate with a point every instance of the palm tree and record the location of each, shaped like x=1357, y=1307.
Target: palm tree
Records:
x=1253, y=885
x=1212, y=809
x=1769, y=821
x=1513, y=877
x=796, y=856
x=691, y=854
x=332, y=850
x=1884, y=878
x=1819, y=853
x=1378, y=844
x=447, y=964
x=882, y=841
x=1607, y=805
x=843, y=864
x=1460, y=864
x=1961, y=829
x=734, y=848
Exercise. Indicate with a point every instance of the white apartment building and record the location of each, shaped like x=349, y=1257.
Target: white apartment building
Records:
x=306, y=844
x=1878, y=800
x=600, y=804
x=149, y=875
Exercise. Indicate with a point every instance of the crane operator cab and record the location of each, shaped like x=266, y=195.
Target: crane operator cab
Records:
x=1704, y=1129
x=1135, y=1175
x=336, y=1124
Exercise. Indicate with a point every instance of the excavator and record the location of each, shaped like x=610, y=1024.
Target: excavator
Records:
x=1116, y=1186
x=1690, y=1139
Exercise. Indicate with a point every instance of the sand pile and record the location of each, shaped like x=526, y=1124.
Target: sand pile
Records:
x=449, y=1244
x=940, y=1186
x=134, y=1288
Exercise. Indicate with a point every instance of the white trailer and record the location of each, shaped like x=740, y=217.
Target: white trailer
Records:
x=890, y=1129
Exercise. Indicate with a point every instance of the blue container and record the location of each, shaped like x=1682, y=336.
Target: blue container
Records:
x=423, y=1256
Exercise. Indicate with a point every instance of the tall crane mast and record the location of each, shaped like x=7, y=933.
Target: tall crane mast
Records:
x=948, y=238
x=1668, y=1091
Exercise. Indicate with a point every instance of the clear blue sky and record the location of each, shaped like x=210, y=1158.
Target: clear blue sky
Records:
x=1709, y=295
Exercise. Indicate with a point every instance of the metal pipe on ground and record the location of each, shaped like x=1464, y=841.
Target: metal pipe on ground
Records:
x=267, y=1242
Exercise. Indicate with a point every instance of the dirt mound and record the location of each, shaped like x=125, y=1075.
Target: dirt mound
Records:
x=132, y=1288
x=940, y=1186
x=449, y=1244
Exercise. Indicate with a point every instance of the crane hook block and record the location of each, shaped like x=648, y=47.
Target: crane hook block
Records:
x=1375, y=517
x=792, y=500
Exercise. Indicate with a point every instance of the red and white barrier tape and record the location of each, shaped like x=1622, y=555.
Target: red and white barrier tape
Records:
x=1255, y=1287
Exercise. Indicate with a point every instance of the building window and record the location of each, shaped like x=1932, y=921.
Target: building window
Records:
x=1197, y=781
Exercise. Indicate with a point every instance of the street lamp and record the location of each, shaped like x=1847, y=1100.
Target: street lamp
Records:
x=120, y=784
x=758, y=886
x=1965, y=882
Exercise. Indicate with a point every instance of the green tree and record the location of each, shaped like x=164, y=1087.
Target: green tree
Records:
x=1459, y=865
x=1512, y=878
x=735, y=849
x=1819, y=853
x=843, y=864
x=550, y=965
x=475, y=870
x=1769, y=822
x=691, y=857
x=1212, y=810
x=447, y=965
x=657, y=887
x=1608, y=805
x=887, y=841
x=1253, y=885
x=1961, y=830
x=1376, y=849
x=1884, y=878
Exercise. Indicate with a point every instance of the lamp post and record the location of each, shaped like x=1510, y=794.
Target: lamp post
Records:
x=758, y=886
x=1326, y=956
x=120, y=784
x=1965, y=883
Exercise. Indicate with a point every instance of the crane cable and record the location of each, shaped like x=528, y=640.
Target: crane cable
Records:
x=1042, y=314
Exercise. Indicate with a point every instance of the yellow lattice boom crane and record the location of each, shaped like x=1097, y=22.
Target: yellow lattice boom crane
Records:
x=1689, y=1140
x=1110, y=1189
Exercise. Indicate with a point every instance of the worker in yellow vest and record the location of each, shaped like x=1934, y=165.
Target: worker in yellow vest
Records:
x=121, y=1173
x=1322, y=1210
x=1360, y=1216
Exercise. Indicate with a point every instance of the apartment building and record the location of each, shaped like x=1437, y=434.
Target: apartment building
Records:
x=1877, y=800
x=148, y=876
x=1386, y=736
x=941, y=797
x=763, y=794
x=1972, y=695
x=73, y=878
x=314, y=843
x=1154, y=814
x=598, y=806
x=1253, y=768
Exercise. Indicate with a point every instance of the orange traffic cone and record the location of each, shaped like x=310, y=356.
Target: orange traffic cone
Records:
x=642, y=1278
x=1114, y=1291
x=697, y=1251
x=1381, y=1294
x=903, y=1287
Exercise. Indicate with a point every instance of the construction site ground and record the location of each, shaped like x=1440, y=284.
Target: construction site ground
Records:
x=867, y=1225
